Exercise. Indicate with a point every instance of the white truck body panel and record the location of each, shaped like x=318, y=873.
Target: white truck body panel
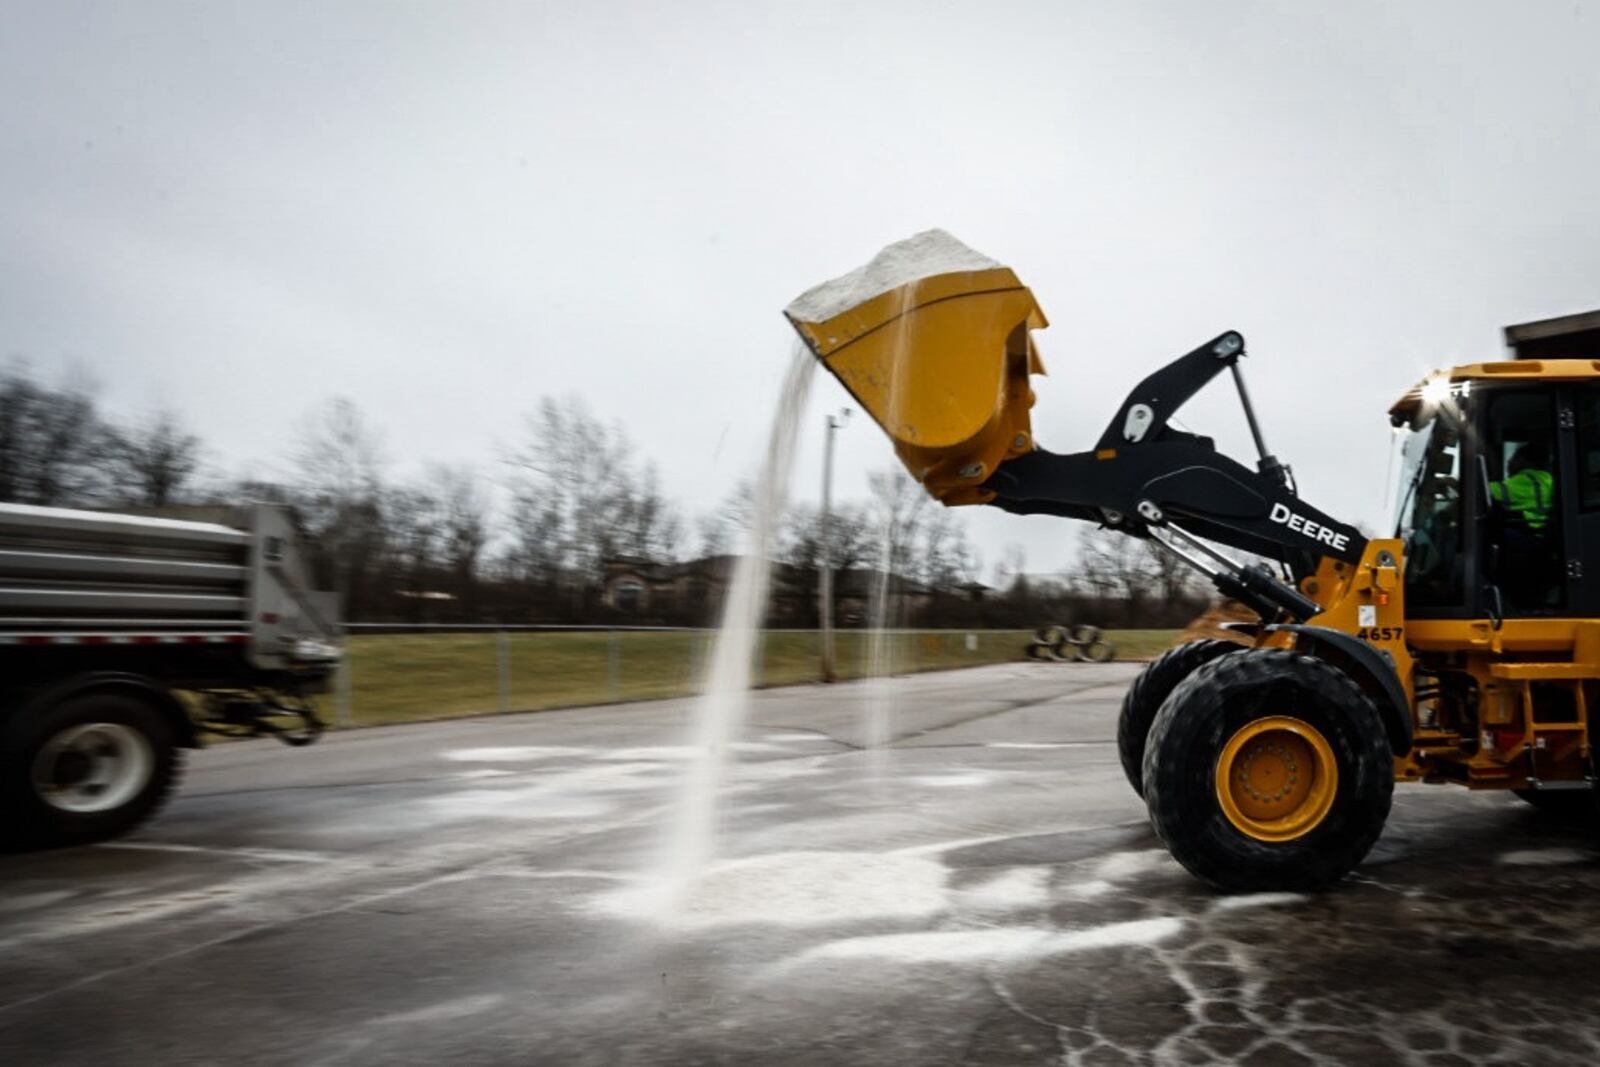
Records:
x=86, y=577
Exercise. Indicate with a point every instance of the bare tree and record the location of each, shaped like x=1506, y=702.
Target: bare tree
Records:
x=898, y=506
x=1009, y=573
x=53, y=443
x=648, y=526
x=721, y=530
x=666, y=540
x=714, y=533
x=464, y=519
x=152, y=461
x=852, y=545
x=537, y=554
x=580, y=500
x=339, y=487
x=1174, y=580
x=945, y=558
x=1114, y=566
x=412, y=524
x=800, y=535
x=337, y=452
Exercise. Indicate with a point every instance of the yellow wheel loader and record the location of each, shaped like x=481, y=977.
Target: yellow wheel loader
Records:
x=1465, y=648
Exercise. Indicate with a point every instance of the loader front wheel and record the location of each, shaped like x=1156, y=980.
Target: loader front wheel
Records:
x=1150, y=690
x=1268, y=770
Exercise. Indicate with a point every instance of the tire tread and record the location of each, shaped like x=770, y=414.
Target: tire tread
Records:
x=1228, y=859
x=1150, y=690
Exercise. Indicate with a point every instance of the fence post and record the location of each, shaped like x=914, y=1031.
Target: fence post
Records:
x=343, y=714
x=614, y=664
x=503, y=649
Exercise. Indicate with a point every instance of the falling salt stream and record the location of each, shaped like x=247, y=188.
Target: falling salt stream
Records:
x=826, y=889
x=877, y=692
x=691, y=841
x=692, y=837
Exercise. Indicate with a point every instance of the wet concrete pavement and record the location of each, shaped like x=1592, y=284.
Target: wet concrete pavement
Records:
x=474, y=892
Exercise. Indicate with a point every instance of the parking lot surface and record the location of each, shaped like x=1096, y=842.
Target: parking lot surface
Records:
x=983, y=891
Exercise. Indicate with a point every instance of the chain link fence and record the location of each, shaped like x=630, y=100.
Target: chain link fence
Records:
x=400, y=673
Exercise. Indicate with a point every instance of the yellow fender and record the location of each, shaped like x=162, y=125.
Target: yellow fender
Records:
x=932, y=340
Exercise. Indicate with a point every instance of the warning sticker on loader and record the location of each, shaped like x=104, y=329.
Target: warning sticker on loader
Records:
x=1367, y=615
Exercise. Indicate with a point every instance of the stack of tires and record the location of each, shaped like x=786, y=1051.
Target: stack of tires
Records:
x=1067, y=644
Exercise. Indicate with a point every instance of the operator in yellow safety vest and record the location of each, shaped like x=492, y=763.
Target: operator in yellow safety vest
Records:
x=1528, y=490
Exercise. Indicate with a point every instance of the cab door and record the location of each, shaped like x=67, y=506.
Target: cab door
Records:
x=1524, y=447
x=1582, y=432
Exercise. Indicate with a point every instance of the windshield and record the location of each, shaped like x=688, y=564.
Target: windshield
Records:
x=1428, y=511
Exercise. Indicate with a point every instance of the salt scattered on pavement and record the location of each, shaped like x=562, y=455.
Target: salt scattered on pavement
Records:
x=1545, y=857
x=956, y=946
x=789, y=889
x=511, y=753
x=1256, y=900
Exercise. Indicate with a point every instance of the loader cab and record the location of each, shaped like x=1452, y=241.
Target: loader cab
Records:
x=1499, y=491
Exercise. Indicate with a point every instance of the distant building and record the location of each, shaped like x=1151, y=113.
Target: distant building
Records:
x=857, y=589
x=643, y=587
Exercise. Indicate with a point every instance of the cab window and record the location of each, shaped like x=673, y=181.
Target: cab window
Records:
x=1588, y=412
x=1523, y=540
x=1428, y=516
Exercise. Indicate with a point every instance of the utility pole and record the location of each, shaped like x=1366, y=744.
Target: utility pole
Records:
x=825, y=585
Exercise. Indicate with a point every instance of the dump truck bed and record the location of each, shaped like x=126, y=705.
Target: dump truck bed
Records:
x=75, y=577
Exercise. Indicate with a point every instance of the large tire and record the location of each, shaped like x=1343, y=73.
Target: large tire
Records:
x=1347, y=769
x=90, y=767
x=1150, y=690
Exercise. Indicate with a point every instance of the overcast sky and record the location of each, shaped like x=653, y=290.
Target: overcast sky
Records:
x=447, y=210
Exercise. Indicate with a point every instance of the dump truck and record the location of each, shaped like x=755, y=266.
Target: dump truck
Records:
x=126, y=638
x=1463, y=648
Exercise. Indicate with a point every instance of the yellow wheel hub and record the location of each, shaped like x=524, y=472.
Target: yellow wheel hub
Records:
x=1276, y=778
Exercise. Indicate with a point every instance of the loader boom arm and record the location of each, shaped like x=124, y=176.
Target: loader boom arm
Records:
x=1143, y=472
x=1149, y=479
x=933, y=340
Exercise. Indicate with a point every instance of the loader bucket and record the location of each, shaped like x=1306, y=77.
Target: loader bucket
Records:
x=932, y=340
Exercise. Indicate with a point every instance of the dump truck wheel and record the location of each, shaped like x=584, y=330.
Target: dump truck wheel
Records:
x=1149, y=691
x=1268, y=770
x=91, y=767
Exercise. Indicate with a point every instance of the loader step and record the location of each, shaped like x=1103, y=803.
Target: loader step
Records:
x=1543, y=672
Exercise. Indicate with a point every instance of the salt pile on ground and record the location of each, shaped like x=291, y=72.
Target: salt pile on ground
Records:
x=1121, y=865
x=790, y=889
x=1256, y=900
x=1014, y=890
x=949, y=780
x=956, y=946
x=1545, y=857
x=511, y=753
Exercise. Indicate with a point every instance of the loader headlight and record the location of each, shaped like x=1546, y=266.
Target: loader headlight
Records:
x=1436, y=390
